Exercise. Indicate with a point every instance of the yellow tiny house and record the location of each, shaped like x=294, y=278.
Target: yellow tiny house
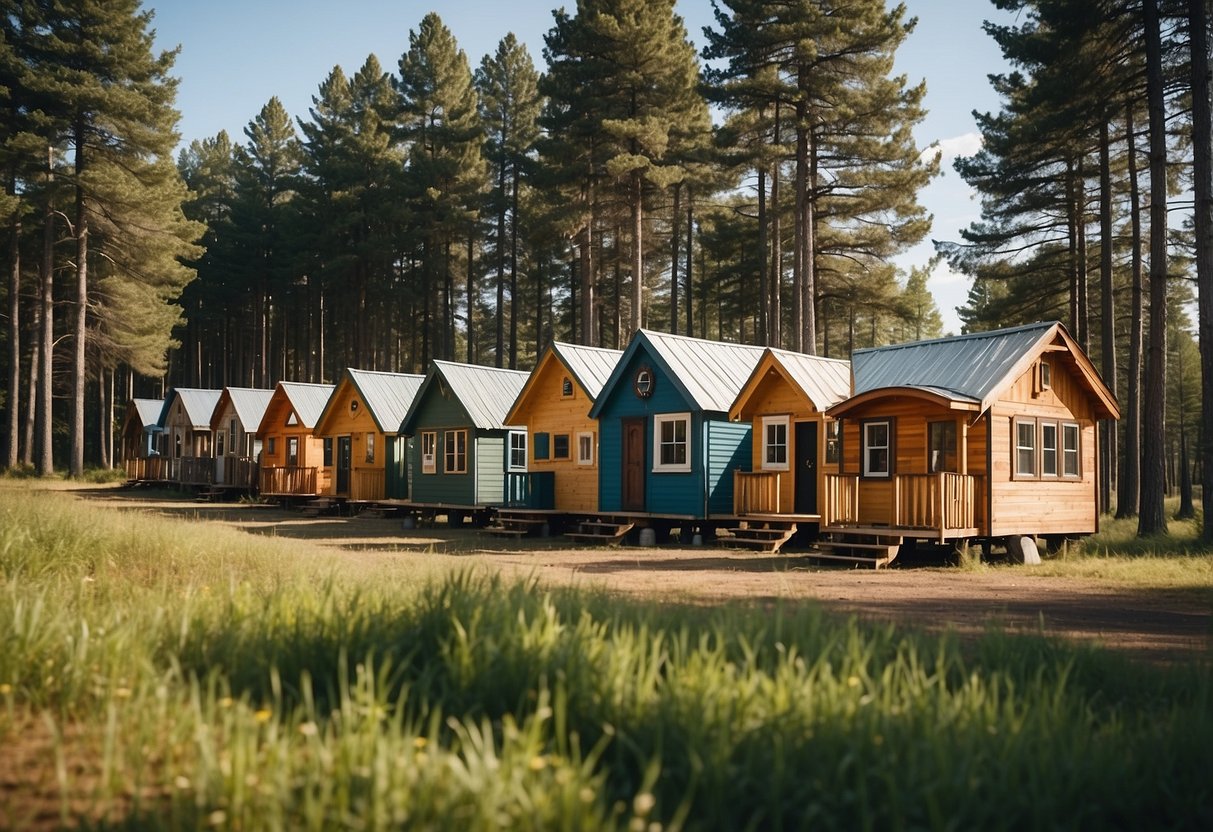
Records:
x=985, y=435
x=561, y=438
x=794, y=443
x=293, y=458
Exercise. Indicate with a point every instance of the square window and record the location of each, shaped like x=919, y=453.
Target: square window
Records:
x=876, y=449
x=775, y=443
x=671, y=440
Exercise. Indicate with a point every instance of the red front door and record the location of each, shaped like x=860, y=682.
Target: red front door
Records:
x=633, y=465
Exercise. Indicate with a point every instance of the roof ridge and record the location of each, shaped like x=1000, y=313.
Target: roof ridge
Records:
x=444, y=363
x=968, y=336
x=781, y=350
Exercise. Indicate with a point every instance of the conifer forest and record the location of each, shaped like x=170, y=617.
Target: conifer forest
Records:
x=751, y=182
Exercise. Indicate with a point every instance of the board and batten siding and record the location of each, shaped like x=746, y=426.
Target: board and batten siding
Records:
x=489, y=466
x=728, y=449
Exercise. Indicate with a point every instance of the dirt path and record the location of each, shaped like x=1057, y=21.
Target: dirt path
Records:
x=1163, y=625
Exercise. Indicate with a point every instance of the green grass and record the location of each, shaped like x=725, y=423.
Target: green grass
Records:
x=188, y=676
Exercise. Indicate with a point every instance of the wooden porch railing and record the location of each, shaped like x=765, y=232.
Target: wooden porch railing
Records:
x=150, y=468
x=944, y=501
x=367, y=484
x=197, y=470
x=290, y=479
x=755, y=492
x=240, y=472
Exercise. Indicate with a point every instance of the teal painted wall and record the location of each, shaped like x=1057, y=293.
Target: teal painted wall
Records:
x=729, y=448
x=396, y=473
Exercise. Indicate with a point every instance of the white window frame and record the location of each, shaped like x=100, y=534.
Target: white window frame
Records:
x=769, y=422
x=868, y=471
x=1016, y=448
x=429, y=459
x=586, y=458
x=515, y=445
x=671, y=418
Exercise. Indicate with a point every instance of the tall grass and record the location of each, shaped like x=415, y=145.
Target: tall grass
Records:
x=191, y=678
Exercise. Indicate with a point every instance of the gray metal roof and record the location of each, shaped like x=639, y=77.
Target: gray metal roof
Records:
x=711, y=372
x=250, y=404
x=963, y=368
x=307, y=400
x=826, y=381
x=592, y=366
x=486, y=393
x=149, y=412
x=388, y=395
x=199, y=404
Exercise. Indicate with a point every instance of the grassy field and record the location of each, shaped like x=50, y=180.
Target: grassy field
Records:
x=164, y=674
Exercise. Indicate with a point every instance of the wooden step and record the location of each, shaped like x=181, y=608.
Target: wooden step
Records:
x=610, y=532
x=768, y=537
x=858, y=550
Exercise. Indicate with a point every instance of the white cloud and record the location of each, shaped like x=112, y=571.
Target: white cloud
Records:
x=965, y=144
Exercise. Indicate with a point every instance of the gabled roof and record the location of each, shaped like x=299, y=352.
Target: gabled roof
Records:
x=709, y=374
x=824, y=381
x=148, y=412
x=486, y=393
x=972, y=369
x=386, y=395
x=306, y=400
x=589, y=366
x=248, y=402
x=199, y=404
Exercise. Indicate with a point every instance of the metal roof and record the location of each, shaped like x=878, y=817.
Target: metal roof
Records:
x=962, y=368
x=486, y=393
x=250, y=404
x=826, y=381
x=711, y=372
x=307, y=400
x=199, y=404
x=592, y=366
x=388, y=395
x=149, y=412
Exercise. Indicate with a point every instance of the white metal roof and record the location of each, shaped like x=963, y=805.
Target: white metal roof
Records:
x=250, y=404
x=388, y=395
x=711, y=372
x=486, y=393
x=307, y=400
x=199, y=404
x=826, y=381
x=149, y=412
x=592, y=366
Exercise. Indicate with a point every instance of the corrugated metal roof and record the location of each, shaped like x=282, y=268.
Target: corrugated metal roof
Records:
x=388, y=395
x=592, y=366
x=964, y=368
x=149, y=411
x=826, y=381
x=250, y=404
x=199, y=404
x=711, y=372
x=307, y=400
x=486, y=393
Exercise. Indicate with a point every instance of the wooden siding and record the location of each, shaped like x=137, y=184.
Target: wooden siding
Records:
x=728, y=450
x=193, y=443
x=366, y=478
x=490, y=467
x=311, y=447
x=547, y=410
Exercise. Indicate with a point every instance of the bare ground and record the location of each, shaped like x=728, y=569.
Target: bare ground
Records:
x=1151, y=623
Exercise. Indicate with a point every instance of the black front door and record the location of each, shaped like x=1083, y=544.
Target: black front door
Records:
x=343, y=465
x=806, y=468
x=633, y=465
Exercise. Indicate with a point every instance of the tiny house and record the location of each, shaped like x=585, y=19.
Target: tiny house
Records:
x=362, y=413
x=978, y=436
x=559, y=447
x=140, y=431
x=665, y=439
x=234, y=426
x=461, y=445
x=294, y=461
x=185, y=421
x=794, y=444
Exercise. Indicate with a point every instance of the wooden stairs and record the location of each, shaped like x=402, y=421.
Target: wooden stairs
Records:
x=764, y=535
x=602, y=530
x=860, y=549
x=319, y=506
x=517, y=523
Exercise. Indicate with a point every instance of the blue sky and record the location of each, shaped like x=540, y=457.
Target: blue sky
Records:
x=236, y=55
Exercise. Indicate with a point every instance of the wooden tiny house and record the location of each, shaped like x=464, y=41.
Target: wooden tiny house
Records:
x=140, y=449
x=560, y=439
x=185, y=422
x=295, y=462
x=461, y=444
x=665, y=439
x=234, y=425
x=363, y=412
x=794, y=444
x=986, y=435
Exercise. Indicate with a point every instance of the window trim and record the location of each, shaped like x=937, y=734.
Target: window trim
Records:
x=292, y=442
x=955, y=447
x=660, y=419
x=1062, y=450
x=784, y=421
x=567, y=390
x=826, y=424
x=370, y=448
x=586, y=459
x=1041, y=424
x=510, y=463
x=1016, y=474
x=568, y=447
x=429, y=466
x=447, y=436
x=865, y=472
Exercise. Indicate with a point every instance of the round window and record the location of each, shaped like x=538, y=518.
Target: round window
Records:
x=643, y=382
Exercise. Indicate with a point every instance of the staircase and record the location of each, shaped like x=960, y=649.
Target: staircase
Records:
x=763, y=535
x=319, y=506
x=866, y=548
x=516, y=523
x=604, y=529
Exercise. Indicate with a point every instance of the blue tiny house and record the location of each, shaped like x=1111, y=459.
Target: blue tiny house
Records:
x=461, y=446
x=666, y=444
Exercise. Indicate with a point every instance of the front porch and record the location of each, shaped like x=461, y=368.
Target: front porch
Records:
x=290, y=481
x=940, y=506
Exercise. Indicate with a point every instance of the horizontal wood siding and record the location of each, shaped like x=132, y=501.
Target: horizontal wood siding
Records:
x=366, y=478
x=490, y=468
x=728, y=450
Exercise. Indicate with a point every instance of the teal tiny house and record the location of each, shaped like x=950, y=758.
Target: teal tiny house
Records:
x=461, y=446
x=666, y=444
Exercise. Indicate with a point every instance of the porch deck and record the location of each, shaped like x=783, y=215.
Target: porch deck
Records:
x=940, y=506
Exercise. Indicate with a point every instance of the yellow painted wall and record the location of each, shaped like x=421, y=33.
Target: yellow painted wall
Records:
x=546, y=410
x=366, y=478
x=311, y=447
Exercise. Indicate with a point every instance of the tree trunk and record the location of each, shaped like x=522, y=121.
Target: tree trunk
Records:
x=637, y=320
x=1153, y=517
x=1107, y=336
x=810, y=258
x=471, y=329
x=1130, y=480
x=690, y=258
x=79, y=367
x=799, y=276
x=1080, y=226
x=775, y=278
x=13, y=399
x=1202, y=187
x=46, y=397
x=33, y=380
x=589, y=332
x=675, y=244
x=499, y=360
x=514, y=272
